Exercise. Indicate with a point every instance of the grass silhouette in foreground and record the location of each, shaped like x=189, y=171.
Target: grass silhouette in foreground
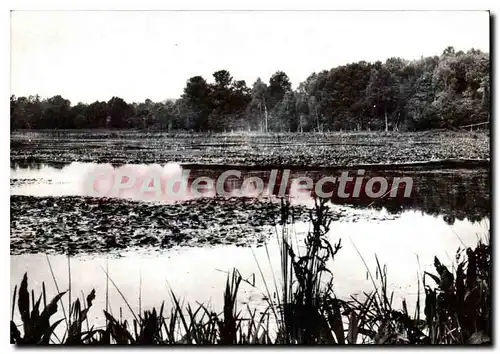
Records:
x=457, y=306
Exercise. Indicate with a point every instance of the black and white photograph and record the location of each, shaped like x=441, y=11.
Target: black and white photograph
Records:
x=247, y=177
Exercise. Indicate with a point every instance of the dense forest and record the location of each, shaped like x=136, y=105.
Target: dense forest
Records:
x=446, y=91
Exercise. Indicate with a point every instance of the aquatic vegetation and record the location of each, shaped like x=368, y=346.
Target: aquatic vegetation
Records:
x=104, y=225
x=254, y=149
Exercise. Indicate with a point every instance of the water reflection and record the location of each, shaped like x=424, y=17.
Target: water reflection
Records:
x=453, y=193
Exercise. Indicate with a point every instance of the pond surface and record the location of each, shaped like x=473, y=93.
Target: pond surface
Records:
x=189, y=244
x=453, y=193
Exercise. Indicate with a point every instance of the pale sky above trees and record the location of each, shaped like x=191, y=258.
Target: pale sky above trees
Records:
x=87, y=56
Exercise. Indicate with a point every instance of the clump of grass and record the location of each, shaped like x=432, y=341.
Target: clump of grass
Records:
x=37, y=328
x=458, y=309
x=305, y=296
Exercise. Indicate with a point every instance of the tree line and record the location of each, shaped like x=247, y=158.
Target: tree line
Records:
x=445, y=91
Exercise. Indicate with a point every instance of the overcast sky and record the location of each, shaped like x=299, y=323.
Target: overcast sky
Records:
x=87, y=56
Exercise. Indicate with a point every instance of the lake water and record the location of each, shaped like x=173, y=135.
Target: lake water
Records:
x=449, y=209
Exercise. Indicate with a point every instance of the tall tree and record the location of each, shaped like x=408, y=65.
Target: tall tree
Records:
x=259, y=103
x=56, y=113
x=382, y=91
x=286, y=118
x=220, y=97
x=279, y=84
x=119, y=112
x=197, y=98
